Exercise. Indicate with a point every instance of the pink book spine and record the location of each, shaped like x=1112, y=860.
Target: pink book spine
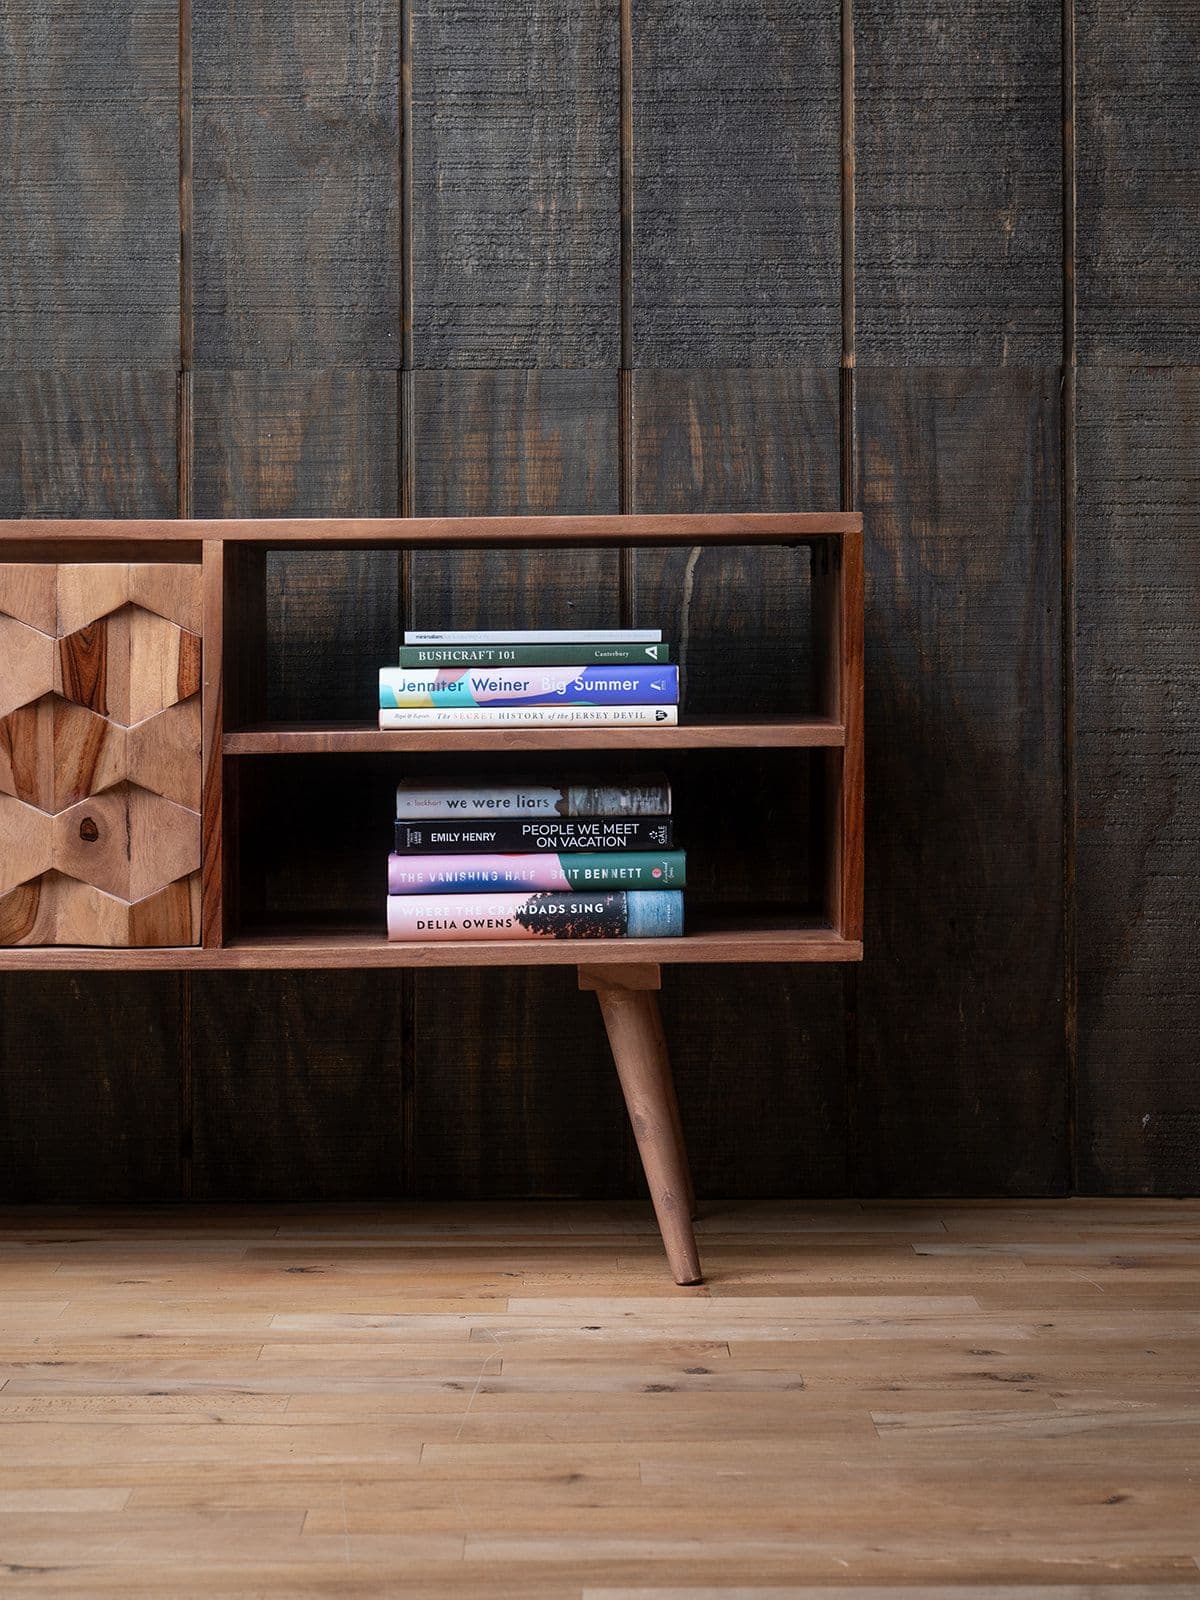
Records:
x=473, y=874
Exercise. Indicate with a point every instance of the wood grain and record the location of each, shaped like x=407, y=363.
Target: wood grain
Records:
x=25, y=539
x=510, y=177
x=724, y=937
x=319, y=1050
x=516, y=444
x=89, y=208
x=295, y=120
x=100, y=779
x=750, y=731
x=297, y=1086
x=493, y=1110
x=268, y=444
x=957, y=182
x=961, y=1082
x=740, y=622
x=29, y=592
x=57, y=910
x=217, y=859
x=1138, y=170
x=128, y=666
x=29, y=664
x=514, y=161
x=68, y=1135
x=27, y=765
x=1137, y=661
x=736, y=184
x=838, y=580
x=635, y=1034
x=87, y=443
x=26, y=834
x=498, y=1109
x=513, y=1400
x=733, y=441
x=126, y=842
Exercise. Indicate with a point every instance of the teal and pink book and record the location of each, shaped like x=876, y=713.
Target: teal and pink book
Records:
x=470, y=874
x=616, y=914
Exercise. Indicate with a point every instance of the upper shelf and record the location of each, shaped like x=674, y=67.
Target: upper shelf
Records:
x=734, y=527
x=702, y=733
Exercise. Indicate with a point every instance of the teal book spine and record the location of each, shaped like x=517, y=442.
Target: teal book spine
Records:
x=476, y=874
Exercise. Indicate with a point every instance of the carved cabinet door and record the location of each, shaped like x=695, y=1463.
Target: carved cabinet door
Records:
x=100, y=756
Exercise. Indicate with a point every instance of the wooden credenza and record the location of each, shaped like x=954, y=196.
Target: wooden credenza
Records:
x=134, y=735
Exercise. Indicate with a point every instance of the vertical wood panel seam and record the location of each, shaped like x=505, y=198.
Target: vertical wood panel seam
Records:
x=406, y=483
x=846, y=444
x=405, y=183
x=625, y=93
x=184, y=502
x=625, y=500
x=186, y=210
x=1070, y=777
x=848, y=166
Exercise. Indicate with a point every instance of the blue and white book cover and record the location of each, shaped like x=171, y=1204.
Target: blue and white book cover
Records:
x=403, y=687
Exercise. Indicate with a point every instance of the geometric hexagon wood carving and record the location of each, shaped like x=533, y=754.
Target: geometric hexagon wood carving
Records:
x=26, y=842
x=163, y=753
x=128, y=665
x=26, y=664
x=100, y=757
x=126, y=841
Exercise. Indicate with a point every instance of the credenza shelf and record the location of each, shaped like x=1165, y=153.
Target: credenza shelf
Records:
x=698, y=733
x=767, y=940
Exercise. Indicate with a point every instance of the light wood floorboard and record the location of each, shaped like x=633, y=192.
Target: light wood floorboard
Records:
x=984, y=1401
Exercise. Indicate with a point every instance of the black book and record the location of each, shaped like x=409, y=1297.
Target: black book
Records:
x=529, y=835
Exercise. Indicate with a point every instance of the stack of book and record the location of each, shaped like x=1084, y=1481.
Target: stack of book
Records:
x=520, y=859
x=562, y=677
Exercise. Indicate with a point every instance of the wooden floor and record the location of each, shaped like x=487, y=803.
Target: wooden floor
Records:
x=502, y=1401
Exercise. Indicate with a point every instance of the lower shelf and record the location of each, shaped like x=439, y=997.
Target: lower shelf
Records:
x=729, y=940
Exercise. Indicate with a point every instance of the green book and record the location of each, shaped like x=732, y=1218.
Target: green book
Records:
x=532, y=655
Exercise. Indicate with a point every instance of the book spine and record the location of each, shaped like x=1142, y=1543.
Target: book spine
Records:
x=618, y=835
x=424, y=687
x=533, y=636
x=533, y=655
x=618, y=914
x=528, y=716
x=646, y=796
x=479, y=874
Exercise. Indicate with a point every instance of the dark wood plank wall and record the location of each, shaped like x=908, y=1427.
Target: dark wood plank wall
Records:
x=1136, y=779
x=958, y=339
x=937, y=260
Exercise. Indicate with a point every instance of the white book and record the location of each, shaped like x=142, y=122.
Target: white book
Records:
x=534, y=636
x=529, y=716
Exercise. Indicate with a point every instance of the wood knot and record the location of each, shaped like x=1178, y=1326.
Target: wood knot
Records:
x=88, y=831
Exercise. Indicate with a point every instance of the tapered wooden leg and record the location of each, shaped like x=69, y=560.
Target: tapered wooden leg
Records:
x=639, y=1049
x=676, y=1120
